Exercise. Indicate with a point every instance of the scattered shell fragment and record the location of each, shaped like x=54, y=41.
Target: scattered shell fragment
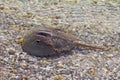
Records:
x=20, y=39
x=58, y=77
x=24, y=77
x=92, y=71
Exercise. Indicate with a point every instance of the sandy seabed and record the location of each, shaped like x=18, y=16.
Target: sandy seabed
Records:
x=94, y=22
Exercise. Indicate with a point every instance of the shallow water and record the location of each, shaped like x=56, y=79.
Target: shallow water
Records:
x=93, y=22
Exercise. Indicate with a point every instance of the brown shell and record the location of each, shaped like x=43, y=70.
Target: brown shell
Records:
x=47, y=41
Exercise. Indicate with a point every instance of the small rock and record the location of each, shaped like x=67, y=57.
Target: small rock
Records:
x=44, y=62
x=11, y=51
x=109, y=62
x=60, y=65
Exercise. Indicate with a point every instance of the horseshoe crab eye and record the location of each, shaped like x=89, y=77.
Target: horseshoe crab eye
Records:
x=44, y=33
x=38, y=41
